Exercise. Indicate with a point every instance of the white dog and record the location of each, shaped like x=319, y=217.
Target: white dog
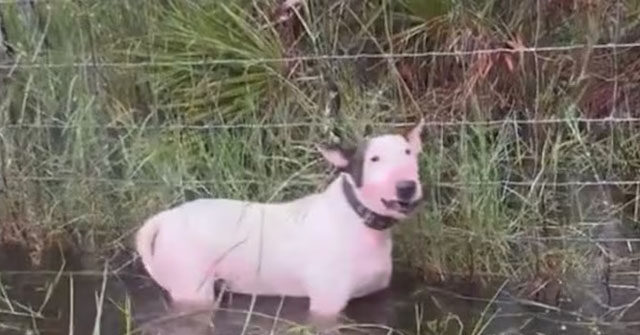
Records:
x=330, y=246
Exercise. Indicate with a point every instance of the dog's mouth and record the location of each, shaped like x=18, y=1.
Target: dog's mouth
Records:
x=400, y=206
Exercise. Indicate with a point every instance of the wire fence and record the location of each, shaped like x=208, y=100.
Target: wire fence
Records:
x=255, y=61
x=19, y=64
x=502, y=122
x=75, y=188
x=26, y=63
x=314, y=180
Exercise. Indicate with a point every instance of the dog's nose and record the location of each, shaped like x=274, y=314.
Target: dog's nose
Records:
x=406, y=189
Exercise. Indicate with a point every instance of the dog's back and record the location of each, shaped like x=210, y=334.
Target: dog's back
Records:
x=232, y=240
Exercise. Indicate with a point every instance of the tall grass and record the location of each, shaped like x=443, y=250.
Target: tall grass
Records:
x=143, y=112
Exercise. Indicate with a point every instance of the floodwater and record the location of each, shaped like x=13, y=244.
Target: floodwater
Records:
x=73, y=292
x=74, y=297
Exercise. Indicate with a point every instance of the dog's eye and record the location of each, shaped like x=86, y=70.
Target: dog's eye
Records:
x=375, y=158
x=408, y=152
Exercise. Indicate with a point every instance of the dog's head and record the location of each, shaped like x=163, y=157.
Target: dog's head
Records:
x=383, y=171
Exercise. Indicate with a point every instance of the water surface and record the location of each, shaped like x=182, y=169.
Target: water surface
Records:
x=71, y=293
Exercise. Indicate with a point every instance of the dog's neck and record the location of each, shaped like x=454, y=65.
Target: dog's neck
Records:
x=370, y=218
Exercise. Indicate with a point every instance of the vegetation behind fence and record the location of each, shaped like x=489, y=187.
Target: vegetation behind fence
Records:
x=111, y=110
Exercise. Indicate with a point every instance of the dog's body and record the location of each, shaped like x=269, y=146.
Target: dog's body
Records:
x=330, y=246
x=314, y=244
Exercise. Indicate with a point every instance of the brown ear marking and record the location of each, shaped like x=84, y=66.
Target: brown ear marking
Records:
x=336, y=154
x=355, y=159
x=356, y=163
x=406, y=131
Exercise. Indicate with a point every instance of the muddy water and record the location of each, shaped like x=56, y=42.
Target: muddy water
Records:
x=70, y=294
x=74, y=292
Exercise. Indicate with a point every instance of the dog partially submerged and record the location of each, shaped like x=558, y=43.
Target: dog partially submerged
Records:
x=330, y=246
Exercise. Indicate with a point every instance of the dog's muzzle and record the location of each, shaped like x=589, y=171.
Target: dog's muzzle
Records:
x=400, y=206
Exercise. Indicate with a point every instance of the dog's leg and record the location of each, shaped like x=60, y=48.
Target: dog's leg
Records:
x=327, y=303
x=328, y=297
x=184, y=275
x=193, y=287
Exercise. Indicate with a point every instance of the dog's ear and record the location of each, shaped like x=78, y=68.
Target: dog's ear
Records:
x=413, y=136
x=337, y=156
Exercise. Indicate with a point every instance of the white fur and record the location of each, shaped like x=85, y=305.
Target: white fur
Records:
x=315, y=246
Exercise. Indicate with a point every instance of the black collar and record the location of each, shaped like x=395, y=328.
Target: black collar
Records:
x=371, y=219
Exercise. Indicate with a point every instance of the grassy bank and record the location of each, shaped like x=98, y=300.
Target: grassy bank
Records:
x=113, y=110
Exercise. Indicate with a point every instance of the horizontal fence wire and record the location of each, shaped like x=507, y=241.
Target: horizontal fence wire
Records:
x=314, y=180
x=27, y=2
x=529, y=236
x=611, y=120
x=255, y=61
x=575, y=239
x=22, y=63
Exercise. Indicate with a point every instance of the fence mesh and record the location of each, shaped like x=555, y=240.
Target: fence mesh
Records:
x=530, y=150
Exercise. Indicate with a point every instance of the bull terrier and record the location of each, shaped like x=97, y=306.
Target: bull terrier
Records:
x=330, y=246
